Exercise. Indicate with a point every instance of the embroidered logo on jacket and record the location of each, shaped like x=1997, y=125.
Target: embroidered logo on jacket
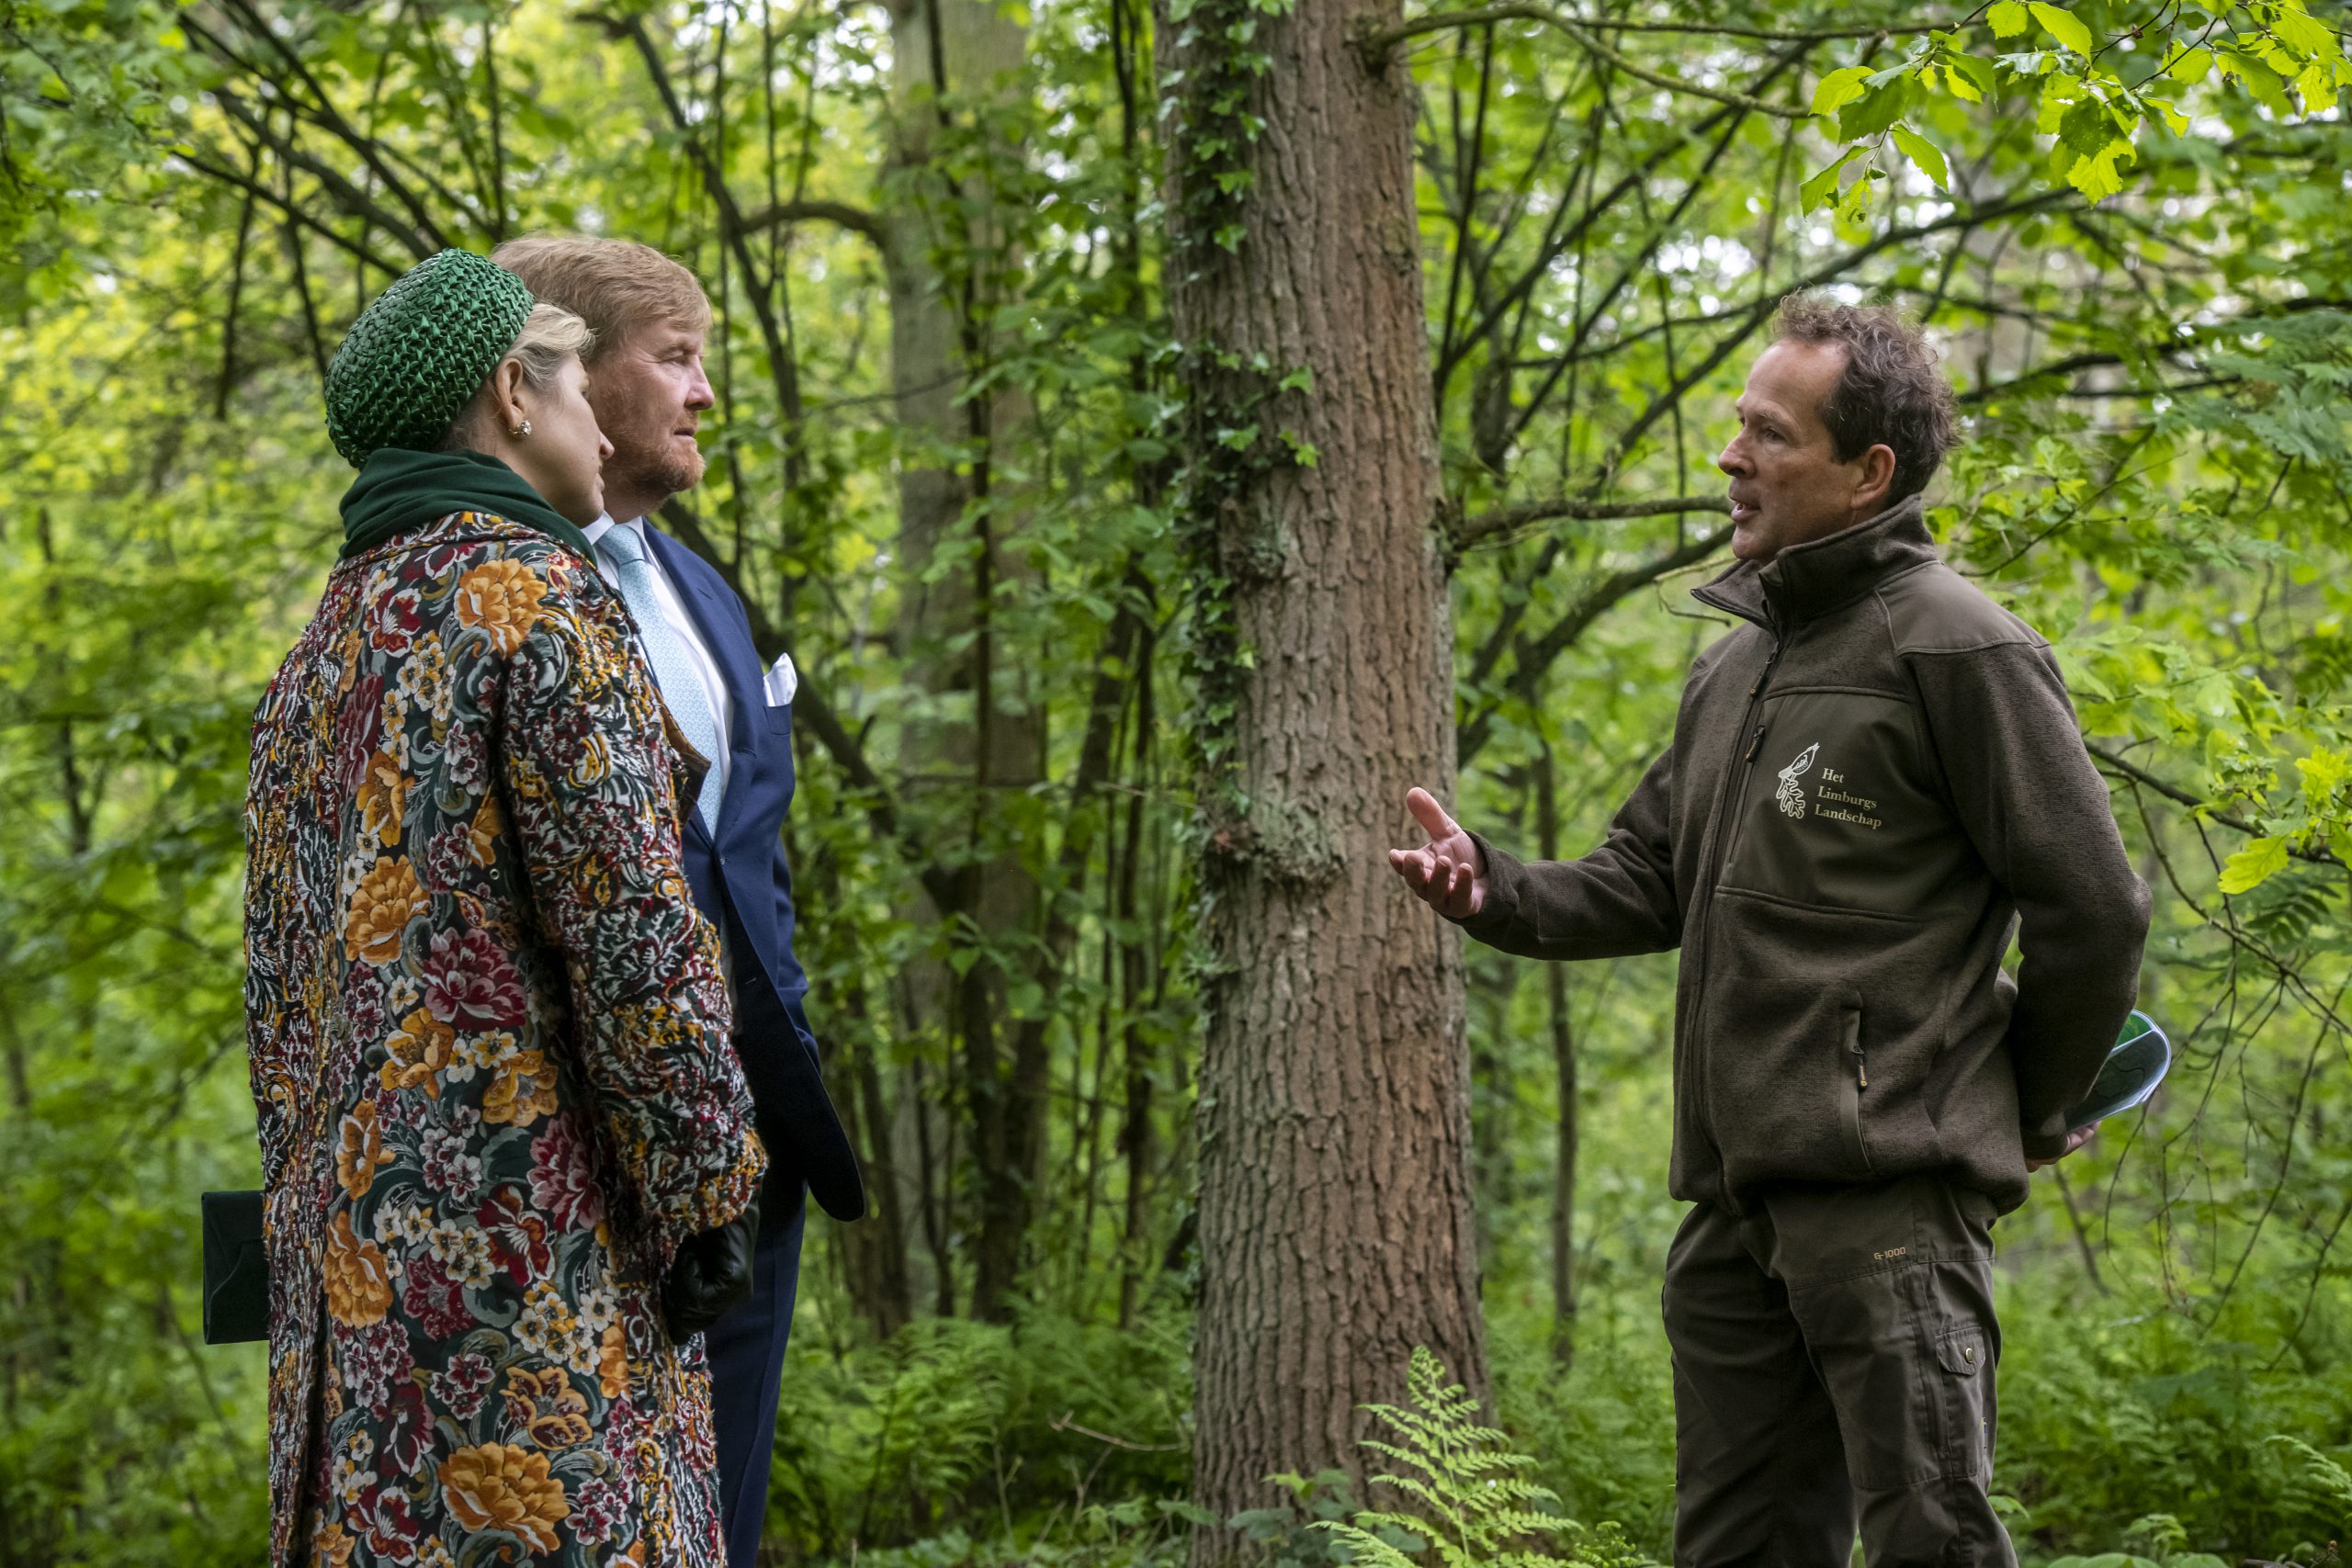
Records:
x=1792, y=798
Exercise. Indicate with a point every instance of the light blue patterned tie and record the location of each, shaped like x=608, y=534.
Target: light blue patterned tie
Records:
x=674, y=664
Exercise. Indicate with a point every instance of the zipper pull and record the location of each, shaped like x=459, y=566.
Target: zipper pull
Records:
x=1754, y=746
x=1862, y=1069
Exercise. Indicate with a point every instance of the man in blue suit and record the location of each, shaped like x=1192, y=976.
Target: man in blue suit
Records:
x=647, y=386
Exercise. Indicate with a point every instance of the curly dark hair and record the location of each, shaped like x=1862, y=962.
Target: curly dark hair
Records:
x=1890, y=391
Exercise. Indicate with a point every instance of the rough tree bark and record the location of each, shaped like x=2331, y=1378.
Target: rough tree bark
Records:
x=1335, y=1215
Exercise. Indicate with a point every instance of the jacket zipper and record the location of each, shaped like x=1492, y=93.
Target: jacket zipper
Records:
x=1849, y=1095
x=1735, y=790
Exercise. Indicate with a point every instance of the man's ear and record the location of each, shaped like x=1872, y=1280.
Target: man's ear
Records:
x=1876, y=482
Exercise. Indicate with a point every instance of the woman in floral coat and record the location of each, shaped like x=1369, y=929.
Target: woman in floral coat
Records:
x=488, y=1028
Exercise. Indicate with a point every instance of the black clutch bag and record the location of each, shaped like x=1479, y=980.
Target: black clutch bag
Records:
x=236, y=1271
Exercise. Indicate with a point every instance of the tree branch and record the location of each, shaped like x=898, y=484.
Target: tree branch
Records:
x=1829, y=272
x=187, y=155
x=327, y=115
x=2147, y=780
x=854, y=218
x=1375, y=46
x=1535, y=658
x=353, y=200
x=1474, y=530
x=1557, y=243
x=1384, y=39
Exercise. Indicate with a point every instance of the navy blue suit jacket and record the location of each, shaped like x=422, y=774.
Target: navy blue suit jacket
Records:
x=740, y=879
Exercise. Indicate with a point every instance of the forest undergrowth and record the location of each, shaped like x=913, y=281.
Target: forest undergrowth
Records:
x=2131, y=1434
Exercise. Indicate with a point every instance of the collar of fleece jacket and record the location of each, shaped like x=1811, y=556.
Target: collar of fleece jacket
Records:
x=1808, y=582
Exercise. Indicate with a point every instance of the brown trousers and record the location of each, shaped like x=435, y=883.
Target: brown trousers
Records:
x=1834, y=1350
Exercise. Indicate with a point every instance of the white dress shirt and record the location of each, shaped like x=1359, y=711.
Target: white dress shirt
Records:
x=680, y=621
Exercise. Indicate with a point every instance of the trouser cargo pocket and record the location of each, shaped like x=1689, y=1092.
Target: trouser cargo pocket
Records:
x=1964, y=1358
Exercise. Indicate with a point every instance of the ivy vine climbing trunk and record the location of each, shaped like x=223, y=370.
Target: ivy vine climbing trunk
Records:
x=1335, y=1219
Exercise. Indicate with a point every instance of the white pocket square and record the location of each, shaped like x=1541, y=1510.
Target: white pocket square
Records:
x=781, y=681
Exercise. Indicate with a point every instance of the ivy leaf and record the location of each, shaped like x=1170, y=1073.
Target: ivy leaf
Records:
x=2009, y=18
x=2252, y=866
x=1809, y=194
x=1839, y=88
x=1925, y=153
x=2066, y=29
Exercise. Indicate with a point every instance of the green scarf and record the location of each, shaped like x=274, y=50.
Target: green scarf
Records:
x=399, y=490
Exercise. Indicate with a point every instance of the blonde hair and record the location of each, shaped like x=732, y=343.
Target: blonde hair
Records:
x=613, y=285
x=550, y=336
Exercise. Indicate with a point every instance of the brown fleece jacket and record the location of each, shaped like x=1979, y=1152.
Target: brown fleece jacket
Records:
x=1869, y=787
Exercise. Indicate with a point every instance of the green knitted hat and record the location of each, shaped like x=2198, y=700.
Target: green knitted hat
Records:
x=416, y=357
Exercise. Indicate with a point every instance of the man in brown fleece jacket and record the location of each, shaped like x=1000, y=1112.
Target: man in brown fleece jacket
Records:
x=1872, y=782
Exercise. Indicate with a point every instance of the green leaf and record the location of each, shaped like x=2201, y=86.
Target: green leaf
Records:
x=2252, y=866
x=2086, y=128
x=1876, y=110
x=2190, y=66
x=1925, y=153
x=1969, y=77
x=2066, y=29
x=2295, y=28
x=2100, y=177
x=2260, y=80
x=1839, y=88
x=2009, y=18
x=1810, y=193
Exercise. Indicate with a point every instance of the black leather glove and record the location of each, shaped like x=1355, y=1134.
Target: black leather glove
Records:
x=710, y=1276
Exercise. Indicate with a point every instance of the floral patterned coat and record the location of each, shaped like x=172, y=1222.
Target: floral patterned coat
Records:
x=488, y=1039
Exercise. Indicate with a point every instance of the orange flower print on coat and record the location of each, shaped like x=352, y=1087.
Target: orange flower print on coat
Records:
x=481, y=834
x=361, y=1152
x=545, y=1404
x=612, y=1362
x=502, y=1486
x=359, y=1287
x=383, y=795
x=420, y=1048
x=502, y=597
x=524, y=1090
x=331, y=1546
x=387, y=900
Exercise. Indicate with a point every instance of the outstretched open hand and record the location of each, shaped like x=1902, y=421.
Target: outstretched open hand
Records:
x=1448, y=872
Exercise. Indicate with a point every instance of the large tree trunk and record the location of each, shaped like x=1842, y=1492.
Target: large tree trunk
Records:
x=948, y=53
x=1335, y=1227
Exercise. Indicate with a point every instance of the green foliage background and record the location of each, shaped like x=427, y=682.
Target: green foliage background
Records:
x=2155, y=476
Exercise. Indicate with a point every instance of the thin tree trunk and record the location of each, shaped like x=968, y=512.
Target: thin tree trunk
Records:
x=942, y=48
x=1135, y=1055
x=1564, y=1066
x=1335, y=1227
